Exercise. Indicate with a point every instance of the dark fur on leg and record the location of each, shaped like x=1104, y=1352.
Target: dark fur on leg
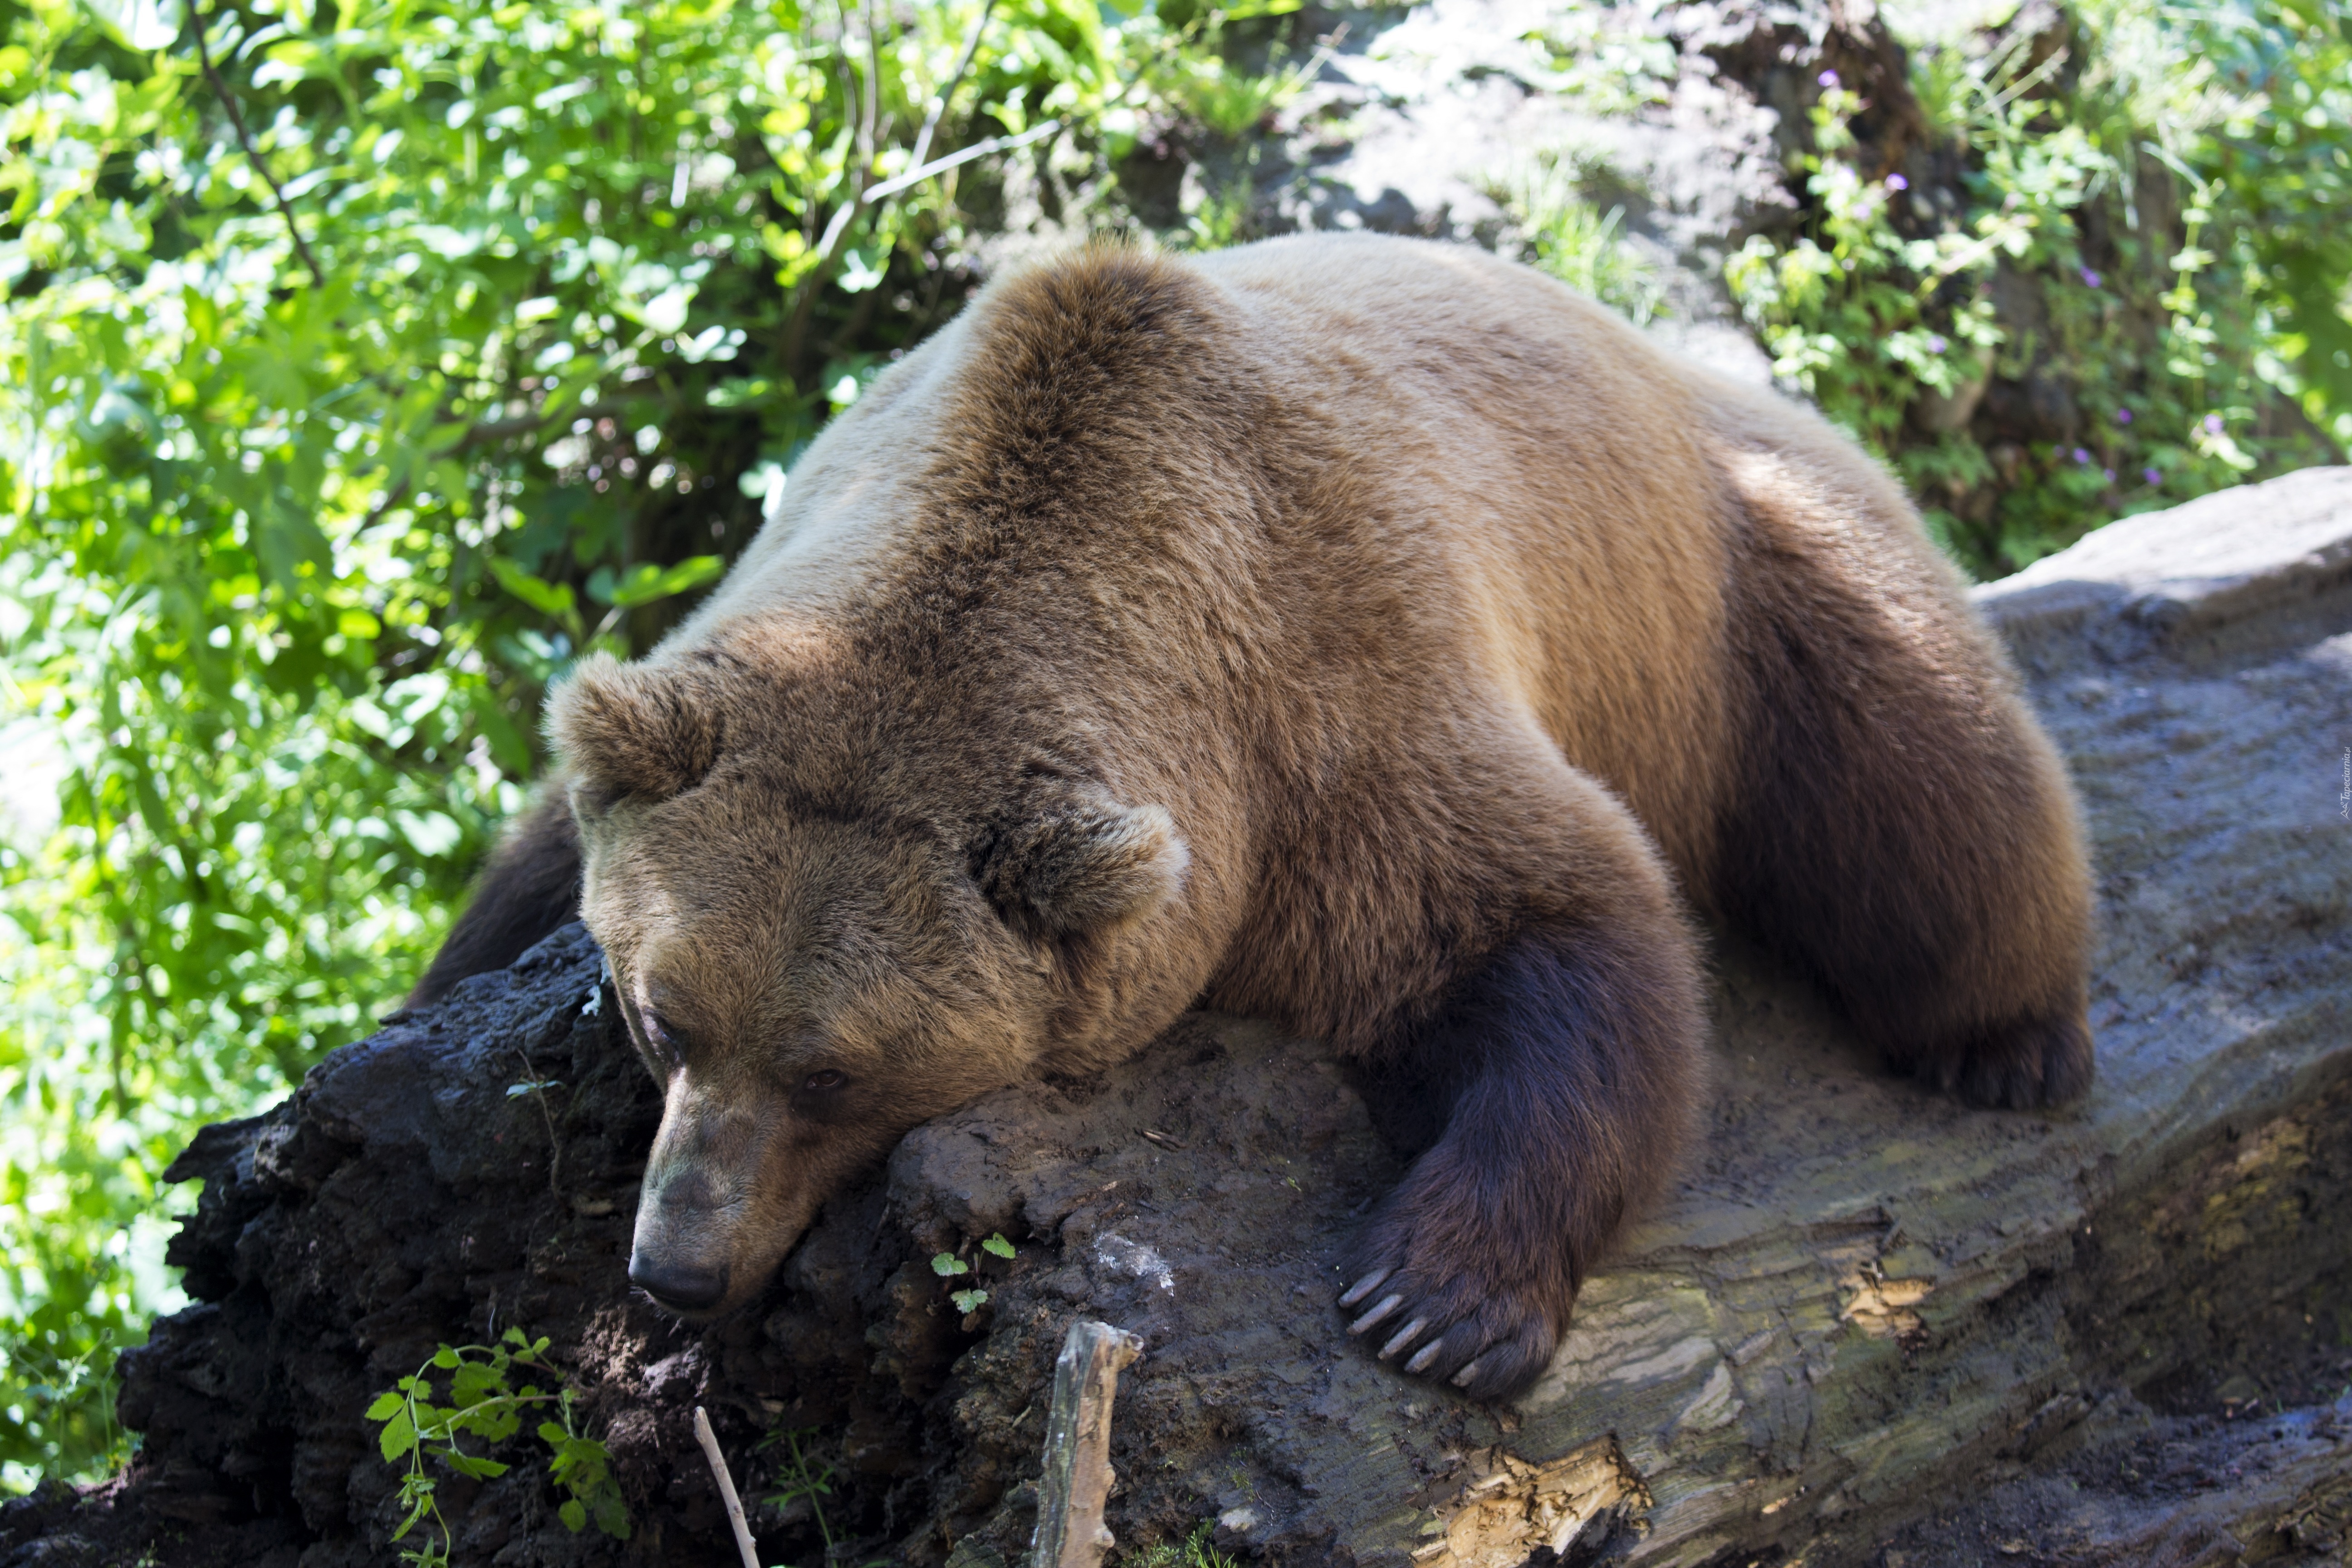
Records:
x=1904, y=830
x=2037, y=1061
x=1574, y=1062
x=529, y=889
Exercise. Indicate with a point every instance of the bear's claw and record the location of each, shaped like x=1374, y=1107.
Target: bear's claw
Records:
x=1405, y=1336
x=1443, y=1316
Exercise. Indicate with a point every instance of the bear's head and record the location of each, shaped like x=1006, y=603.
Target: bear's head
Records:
x=810, y=969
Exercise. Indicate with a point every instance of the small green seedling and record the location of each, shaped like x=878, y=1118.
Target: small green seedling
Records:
x=484, y=1404
x=1193, y=1551
x=800, y=1478
x=948, y=1266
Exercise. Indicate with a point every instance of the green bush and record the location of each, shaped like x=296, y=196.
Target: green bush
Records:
x=2194, y=350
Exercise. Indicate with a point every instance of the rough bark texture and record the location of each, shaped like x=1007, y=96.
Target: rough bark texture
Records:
x=1869, y=1326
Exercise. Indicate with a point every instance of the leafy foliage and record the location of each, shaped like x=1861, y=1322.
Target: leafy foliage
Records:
x=484, y=1404
x=948, y=1266
x=2179, y=352
x=359, y=367
x=1569, y=237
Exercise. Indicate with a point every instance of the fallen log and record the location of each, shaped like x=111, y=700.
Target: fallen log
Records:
x=1867, y=1326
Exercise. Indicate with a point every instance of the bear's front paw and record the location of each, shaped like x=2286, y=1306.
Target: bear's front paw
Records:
x=1471, y=1316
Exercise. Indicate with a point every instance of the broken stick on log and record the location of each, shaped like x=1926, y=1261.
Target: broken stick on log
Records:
x=1070, y=1494
x=709, y=1441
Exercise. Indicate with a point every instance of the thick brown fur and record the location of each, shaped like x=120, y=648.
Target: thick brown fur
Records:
x=1365, y=632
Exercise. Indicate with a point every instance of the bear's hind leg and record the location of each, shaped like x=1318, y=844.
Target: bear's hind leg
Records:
x=1901, y=826
x=2017, y=1064
x=1574, y=1063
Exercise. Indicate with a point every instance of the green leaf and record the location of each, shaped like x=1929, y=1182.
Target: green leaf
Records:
x=548, y=598
x=141, y=25
x=385, y=1406
x=573, y=1515
x=998, y=1245
x=948, y=1264
x=969, y=1300
x=646, y=583
x=445, y=1358
x=476, y=1382
x=398, y=1436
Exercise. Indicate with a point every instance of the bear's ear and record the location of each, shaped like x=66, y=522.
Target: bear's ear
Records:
x=626, y=731
x=1085, y=866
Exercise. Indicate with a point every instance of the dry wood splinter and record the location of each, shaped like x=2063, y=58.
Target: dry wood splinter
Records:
x=1077, y=1475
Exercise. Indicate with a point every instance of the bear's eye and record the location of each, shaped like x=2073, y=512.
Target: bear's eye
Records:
x=659, y=1031
x=819, y=1082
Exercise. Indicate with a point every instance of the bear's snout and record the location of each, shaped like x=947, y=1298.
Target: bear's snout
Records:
x=681, y=1284
x=682, y=1253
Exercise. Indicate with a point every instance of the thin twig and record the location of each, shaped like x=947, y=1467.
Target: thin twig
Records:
x=915, y=176
x=236, y=120
x=805, y=309
x=872, y=109
x=955, y=80
x=709, y=1441
x=554, y=1143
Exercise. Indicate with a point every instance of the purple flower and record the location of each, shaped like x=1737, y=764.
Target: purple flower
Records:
x=1828, y=78
x=1935, y=343
x=2090, y=276
x=1898, y=183
x=2123, y=415
x=2153, y=476
x=2110, y=474
x=2082, y=456
x=2213, y=425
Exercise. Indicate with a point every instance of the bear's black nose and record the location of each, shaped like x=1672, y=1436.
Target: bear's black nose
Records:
x=682, y=1287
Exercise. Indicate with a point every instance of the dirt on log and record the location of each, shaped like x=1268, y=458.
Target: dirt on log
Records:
x=1868, y=1327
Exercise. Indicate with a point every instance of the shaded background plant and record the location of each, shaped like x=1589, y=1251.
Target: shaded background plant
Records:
x=2074, y=265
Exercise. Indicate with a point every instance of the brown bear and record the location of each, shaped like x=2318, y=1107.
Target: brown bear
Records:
x=1363, y=633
